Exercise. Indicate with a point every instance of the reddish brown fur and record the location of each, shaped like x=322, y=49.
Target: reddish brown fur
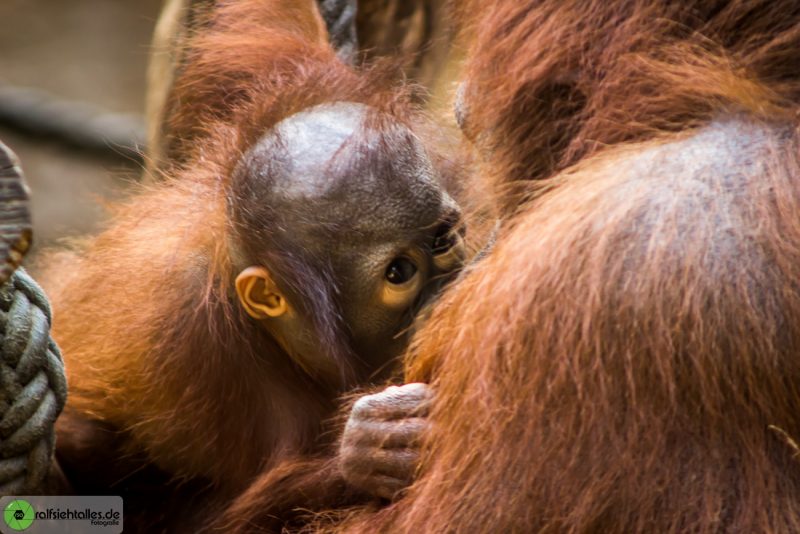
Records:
x=599, y=74
x=621, y=361
x=416, y=35
x=626, y=358
x=258, y=63
x=164, y=368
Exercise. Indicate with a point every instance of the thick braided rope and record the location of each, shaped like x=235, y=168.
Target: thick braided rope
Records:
x=33, y=388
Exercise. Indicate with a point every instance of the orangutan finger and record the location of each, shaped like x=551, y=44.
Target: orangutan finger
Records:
x=385, y=434
x=394, y=402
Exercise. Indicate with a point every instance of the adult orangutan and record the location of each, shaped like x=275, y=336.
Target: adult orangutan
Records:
x=210, y=330
x=626, y=358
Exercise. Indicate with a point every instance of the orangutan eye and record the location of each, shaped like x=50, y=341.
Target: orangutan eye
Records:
x=400, y=271
x=444, y=239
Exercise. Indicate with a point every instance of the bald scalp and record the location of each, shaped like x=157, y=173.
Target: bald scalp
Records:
x=333, y=168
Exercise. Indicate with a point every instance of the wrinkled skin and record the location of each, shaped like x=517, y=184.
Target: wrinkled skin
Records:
x=379, y=451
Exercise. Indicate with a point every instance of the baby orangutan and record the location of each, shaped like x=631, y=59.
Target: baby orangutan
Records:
x=210, y=331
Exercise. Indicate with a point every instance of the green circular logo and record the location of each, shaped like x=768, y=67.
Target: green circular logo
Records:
x=19, y=514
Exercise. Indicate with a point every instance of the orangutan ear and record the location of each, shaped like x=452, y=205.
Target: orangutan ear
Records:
x=259, y=294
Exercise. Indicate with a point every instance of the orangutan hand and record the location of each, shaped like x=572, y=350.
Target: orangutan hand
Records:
x=379, y=452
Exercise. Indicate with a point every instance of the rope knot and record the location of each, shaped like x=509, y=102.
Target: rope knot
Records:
x=33, y=387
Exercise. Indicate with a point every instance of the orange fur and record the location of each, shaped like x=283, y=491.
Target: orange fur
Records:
x=625, y=359
x=598, y=74
x=163, y=364
x=253, y=67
